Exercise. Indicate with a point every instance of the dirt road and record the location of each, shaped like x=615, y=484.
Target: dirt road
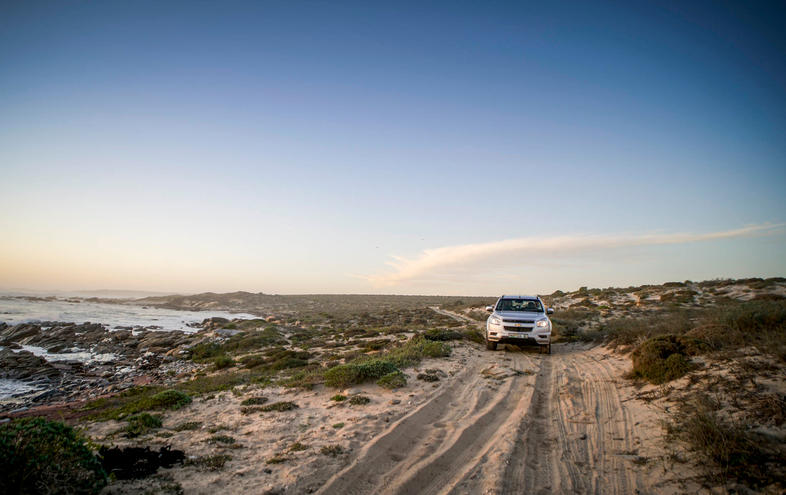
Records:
x=515, y=421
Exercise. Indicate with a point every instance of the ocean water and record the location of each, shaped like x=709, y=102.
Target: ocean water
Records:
x=10, y=388
x=18, y=310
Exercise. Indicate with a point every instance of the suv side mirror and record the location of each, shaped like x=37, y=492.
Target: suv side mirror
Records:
x=550, y=311
x=490, y=309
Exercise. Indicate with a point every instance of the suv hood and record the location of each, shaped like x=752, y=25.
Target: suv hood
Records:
x=520, y=315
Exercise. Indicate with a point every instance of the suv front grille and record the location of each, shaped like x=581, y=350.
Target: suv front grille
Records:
x=519, y=321
x=518, y=329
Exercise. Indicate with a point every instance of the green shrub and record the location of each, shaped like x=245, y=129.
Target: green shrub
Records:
x=473, y=335
x=205, y=351
x=40, y=456
x=188, y=426
x=210, y=462
x=356, y=372
x=279, y=406
x=428, y=377
x=415, y=349
x=136, y=400
x=254, y=401
x=332, y=450
x=359, y=400
x=726, y=448
x=288, y=362
x=664, y=358
x=305, y=379
x=214, y=383
x=224, y=439
x=169, y=399
x=297, y=447
x=338, y=398
x=142, y=423
x=223, y=361
x=442, y=334
x=252, y=361
x=397, y=379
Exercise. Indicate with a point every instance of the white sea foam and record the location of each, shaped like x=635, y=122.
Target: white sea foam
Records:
x=17, y=310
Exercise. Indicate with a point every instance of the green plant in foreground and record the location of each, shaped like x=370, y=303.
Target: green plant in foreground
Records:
x=727, y=448
x=397, y=379
x=338, y=398
x=359, y=400
x=209, y=463
x=279, y=406
x=352, y=373
x=331, y=450
x=297, y=447
x=188, y=426
x=38, y=455
x=664, y=358
x=225, y=439
x=223, y=361
x=142, y=423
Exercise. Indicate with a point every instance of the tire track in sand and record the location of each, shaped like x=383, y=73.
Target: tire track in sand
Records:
x=419, y=454
x=577, y=436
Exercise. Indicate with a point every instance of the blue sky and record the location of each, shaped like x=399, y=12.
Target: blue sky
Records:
x=297, y=147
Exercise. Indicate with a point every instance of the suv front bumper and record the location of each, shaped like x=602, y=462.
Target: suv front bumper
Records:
x=517, y=338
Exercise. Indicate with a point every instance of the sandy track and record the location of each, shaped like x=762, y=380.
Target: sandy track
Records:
x=578, y=436
x=512, y=422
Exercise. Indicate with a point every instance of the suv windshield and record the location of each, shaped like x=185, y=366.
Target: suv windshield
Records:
x=530, y=305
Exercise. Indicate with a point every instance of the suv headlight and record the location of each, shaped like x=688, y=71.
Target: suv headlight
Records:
x=494, y=320
x=542, y=323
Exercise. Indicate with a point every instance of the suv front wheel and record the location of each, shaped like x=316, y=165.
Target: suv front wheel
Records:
x=492, y=346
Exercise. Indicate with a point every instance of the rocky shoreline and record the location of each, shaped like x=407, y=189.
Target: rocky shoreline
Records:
x=58, y=362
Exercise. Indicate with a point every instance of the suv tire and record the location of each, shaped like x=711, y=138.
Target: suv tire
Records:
x=492, y=346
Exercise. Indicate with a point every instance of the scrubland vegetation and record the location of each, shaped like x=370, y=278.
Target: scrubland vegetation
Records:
x=712, y=344
x=727, y=337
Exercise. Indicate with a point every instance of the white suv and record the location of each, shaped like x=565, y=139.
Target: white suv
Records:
x=519, y=320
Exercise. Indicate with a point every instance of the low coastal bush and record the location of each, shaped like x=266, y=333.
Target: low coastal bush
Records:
x=223, y=439
x=41, y=456
x=169, y=399
x=136, y=400
x=356, y=372
x=279, y=406
x=441, y=334
x=209, y=462
x=665, y=358
x=140, y=424
x=297, y=447
x=397, y=379
x=473, y=335
x=222, y=362
x=254, y=401
x=332, y=450
x=188, y=426
x=359, y=400
x=726, y=449
x=240, y=343
x=276, y=359
x=416, y=349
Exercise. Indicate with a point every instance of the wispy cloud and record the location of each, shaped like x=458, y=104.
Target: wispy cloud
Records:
x=430, y=261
